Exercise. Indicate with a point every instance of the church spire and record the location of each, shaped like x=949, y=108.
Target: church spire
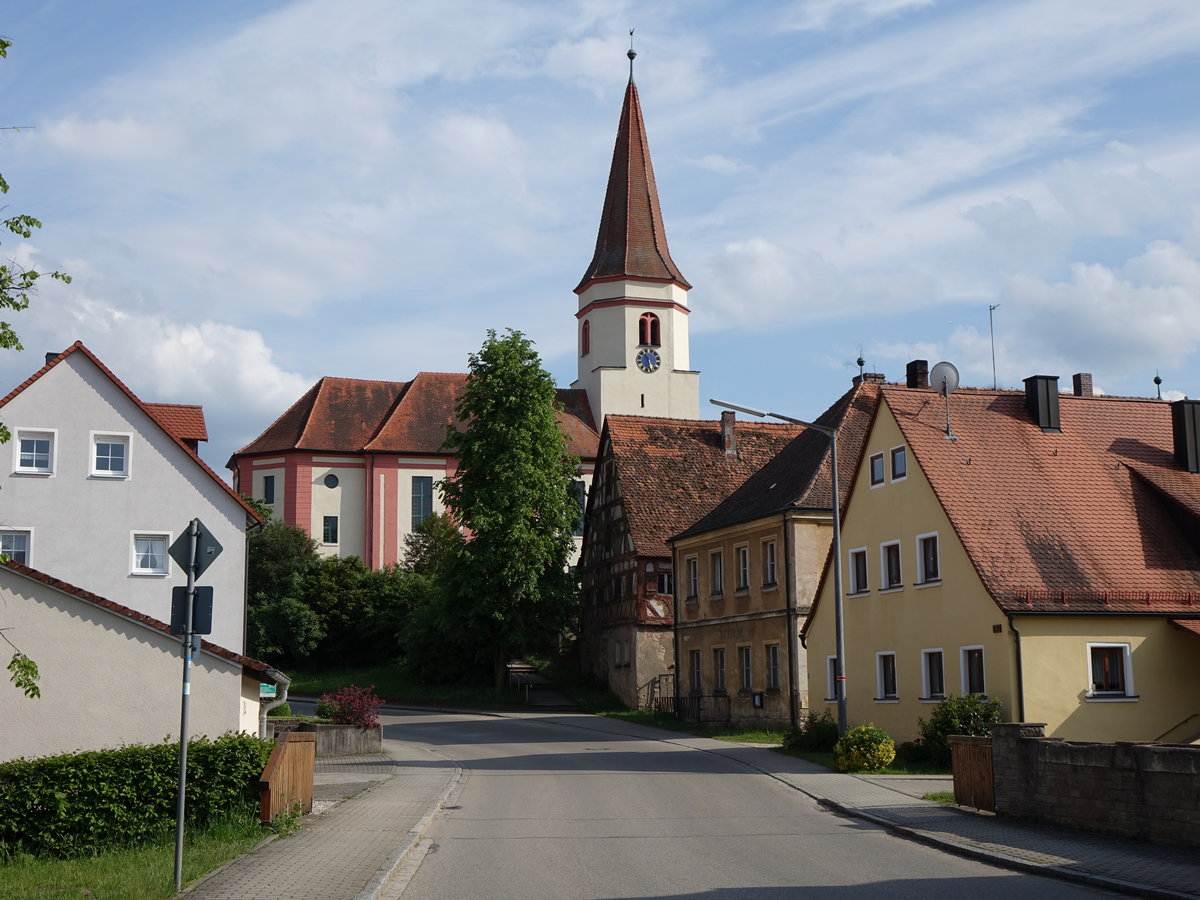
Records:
x=632, y=243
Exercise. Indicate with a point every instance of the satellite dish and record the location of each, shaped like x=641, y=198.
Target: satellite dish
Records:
x=943, y=378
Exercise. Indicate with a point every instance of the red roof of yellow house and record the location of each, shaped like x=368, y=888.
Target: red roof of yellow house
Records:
x=1097, y=517
x=185, y=421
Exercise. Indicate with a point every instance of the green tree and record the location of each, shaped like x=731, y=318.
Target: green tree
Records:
x=428, y=548
x=279, y=623
x=16, y=284
x=510, y=589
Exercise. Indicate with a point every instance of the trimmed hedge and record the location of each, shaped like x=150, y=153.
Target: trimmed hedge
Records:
x=78, y=804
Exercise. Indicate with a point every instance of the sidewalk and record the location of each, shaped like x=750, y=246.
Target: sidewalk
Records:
x=350, y=850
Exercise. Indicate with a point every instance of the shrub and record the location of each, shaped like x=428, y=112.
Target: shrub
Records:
x=817, y=733
x=969, y=714
x=863, y=747
x=84, y=803
x=352, y=705
x=283, y=709
x=912, y=752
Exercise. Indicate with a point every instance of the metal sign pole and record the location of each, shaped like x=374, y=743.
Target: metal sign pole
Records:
x=194, y=541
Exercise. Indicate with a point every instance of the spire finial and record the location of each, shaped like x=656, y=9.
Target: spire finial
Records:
x=1157, y=384
x=632, y=54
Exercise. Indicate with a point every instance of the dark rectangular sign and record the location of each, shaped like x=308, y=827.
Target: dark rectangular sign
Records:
x=201, y=611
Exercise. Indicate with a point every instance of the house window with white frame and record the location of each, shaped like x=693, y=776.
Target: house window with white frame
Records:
x=150, y=554
x=899, y=464
x=831, y=678
x=974, y=680
x=697, y=682
x=933, y=677
x=885, y=676
x=889, y=558
x=717, y=573
x=693, y=578
x=15, y=545
x=858, y=571
x=719, y=670
x=769, y=574
x=1110, y=669
x=928, y=565
x=876, y=469
x=35, y=452
x=745, y=668
x=742, y=554
x=772, y=667
x=110, y=455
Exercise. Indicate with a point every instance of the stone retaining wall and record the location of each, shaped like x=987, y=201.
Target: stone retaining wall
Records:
x=332, y=740
x=1144, y=791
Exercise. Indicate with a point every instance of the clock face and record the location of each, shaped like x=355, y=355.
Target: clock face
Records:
x=648, y=360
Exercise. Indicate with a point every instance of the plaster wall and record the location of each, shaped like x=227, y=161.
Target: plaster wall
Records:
x=82, y=524
x=346, y=501
x=107, y=680
x=948, y=615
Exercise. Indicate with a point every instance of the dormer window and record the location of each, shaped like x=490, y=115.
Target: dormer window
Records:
x=648, y=330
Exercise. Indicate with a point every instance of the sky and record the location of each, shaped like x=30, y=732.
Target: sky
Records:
x=253, y=194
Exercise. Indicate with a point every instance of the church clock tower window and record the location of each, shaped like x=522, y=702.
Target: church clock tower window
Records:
x=648, y=330
x=585, y=338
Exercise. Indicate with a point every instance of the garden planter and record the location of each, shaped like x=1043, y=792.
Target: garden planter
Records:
x=345, y=740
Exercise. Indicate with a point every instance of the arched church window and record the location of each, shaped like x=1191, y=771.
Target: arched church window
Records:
x=648, y=330
x=585, y=339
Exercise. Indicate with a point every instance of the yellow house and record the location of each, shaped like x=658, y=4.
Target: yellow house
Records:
x=747, y=572
x=1038, y=548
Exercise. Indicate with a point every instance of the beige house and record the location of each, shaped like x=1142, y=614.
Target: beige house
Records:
x=111, y=675
x=748, y=571
x=1040, y=549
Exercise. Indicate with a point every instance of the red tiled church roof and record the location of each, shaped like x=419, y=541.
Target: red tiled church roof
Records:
x=672, y=471
x=632, y=241
x=1082, y=521
x=350, y=415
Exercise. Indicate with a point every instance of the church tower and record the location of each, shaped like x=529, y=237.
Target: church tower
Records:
x=633, y=307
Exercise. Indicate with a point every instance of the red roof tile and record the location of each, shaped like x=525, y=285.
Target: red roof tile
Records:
x=184, y=421
x=673, y=471
x=1192, y=625
x=632, y=241
x=246, y=662
x=1079, y=521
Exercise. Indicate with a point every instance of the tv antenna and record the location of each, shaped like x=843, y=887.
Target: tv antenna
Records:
x=943, y=378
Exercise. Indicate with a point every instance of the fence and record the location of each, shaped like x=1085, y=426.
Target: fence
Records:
x=697, y=710
x=287, y=781
x=971, y=763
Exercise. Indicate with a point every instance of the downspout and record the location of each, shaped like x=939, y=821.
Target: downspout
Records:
x=1020, y=674
x=281, y=681
x=793, y=636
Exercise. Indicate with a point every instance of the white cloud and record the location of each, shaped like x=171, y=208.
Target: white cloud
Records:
x=819, y=15
x=722, y=165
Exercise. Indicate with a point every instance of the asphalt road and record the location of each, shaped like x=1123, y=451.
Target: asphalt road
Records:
x=581, y=807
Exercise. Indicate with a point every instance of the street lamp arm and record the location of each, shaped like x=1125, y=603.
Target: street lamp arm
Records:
x=760, y=413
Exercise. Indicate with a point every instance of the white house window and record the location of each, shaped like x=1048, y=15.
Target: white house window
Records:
x=150, y=554
x=858, y=571
x=831, y=678
x=693, y=578
x=1110, y=668
x=110, y=455
x=746, y=668
x=899, y=464
x=889, y=555
x=743, y=567
x=666, y=584
x=772, y=667
x=885, y=676
x=933, y=678
x=719, y=670
x=973, y=680
x=717, y=573
x=876, y=469
x=15, y=545
x=35, y=452
x=928, y=567
x=769, y=574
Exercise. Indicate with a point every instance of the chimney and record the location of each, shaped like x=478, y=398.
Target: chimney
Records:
x=869, y=378
x=50, y=357
x=1041, y=399
x=728, y=438
x=1185, y=423
x=1082, y=384
x=917, y=373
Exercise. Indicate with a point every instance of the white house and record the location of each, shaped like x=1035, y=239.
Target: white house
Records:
x=95, y=485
